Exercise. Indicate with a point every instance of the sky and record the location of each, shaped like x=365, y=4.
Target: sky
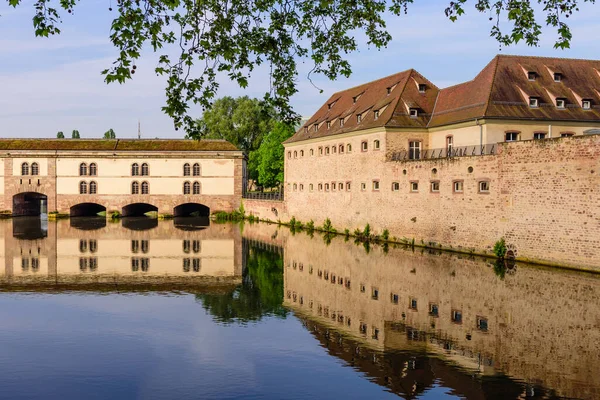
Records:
x=54, y=84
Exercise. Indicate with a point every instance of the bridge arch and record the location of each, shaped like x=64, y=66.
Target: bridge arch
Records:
x=29, y=204
x=138, y=209
x=191, y=210
x=86, y=210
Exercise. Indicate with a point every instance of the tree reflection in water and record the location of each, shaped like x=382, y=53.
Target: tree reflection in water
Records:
x=260, y=295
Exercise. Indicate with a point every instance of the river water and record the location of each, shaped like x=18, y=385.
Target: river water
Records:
x=189, y=310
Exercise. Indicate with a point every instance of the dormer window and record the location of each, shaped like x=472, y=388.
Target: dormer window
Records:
x=586, y=104
x=355, y=98
x=531, y=75
x=316, y=127
x=358, y=118
x=561, y=103
x=330, y=105
x=328, y=124
x=422, y=87
x=414, y=113
x=557, y=77
x=306, y=129
x=341, y=122
x=376, y=114
x=534, y=102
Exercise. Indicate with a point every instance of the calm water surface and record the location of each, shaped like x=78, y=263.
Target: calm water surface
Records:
x=181, y=310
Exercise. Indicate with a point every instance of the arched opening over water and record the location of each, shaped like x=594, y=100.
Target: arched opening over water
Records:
x=138, y=210
x=139, y=223
x=191, y=210
x=86, y=210
x=88, y=223
x=30, y=204
x=30, y=228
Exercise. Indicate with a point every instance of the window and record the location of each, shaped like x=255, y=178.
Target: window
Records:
x=93, y=246
x=414, y=113
x=484, y=187
x=196, y=264
x=328, y=124
x=196, y=169
x=456, y=316
x=341, y=122
x=557, y=77
x=295, y=187
x=341, y=149
x=186, y=169
x=320, y=187
x=376, y=115
x=135, y=169
x=196, y=188
x=586, y=104
x=320, y=151
x=433, y=310
x=395, y=186
x=531, y=75
x=414, y=187
x=435, y=186
x=24, y=169
x=363, y=186
x=364, y=146
x=561, y=103
x=376, y=145
x=93, y=187
x=327, y=187
x=186, y=264
x=186, y=246
x=316, y=127
x=290, y=154
x=312, y=152
x=187, y=188
x=82, y=188
x=310, y=187
x=145, y=170
x=348, y=186
x=35, y=169
x=534, y=102
x=82, y=246
x=511, y=136
x=93, y=169
x=135, y=187
x=412, y=304
x=422, y=87
x=358, y=118
x=539, y=135
x=362, y=288
x=145, y=188
x=449, y=144
x=394, y=298
x=482, y=324
x=458, y=186
x=375, y=293
x=327, y=150
x=375, y=185
x=349, y=148
x=295, y=154
x=82, y=169
x=414, y=150
x=333, y=186
x=333, y=149
x=375, y=334
x=301, y=153
x=566, y=134
x=145, y=246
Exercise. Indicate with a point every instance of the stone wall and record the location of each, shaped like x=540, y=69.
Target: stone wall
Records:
x=268, y=210
x=543, y=198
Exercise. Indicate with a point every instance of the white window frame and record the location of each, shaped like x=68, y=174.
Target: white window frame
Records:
x=414, y=113
x=586, y=104
x=433, y=187
x=536, y=135
x=511, y=133
x=414, y=150
x=484, y=186
x=414, y=186
x=395, y=186
x=561, y=103
x=458, y=186
x=534, y=102
x=376, y=186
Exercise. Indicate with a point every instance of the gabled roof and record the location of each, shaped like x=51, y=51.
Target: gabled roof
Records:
x=117, y=145
x=391, y=96
x=501, y=90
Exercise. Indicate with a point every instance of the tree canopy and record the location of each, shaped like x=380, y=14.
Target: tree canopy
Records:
x=60, y=135
x=271, y=155
x=110, y=134
x=75, y=134
x=212, y=38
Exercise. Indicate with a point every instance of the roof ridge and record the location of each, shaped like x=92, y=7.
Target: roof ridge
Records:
x=544, y=57
x=487, y=102
x=370, y=82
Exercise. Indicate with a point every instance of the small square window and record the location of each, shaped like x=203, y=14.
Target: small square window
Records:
x=376, y=145
x=531, y=75
x=375, y=185
x=414, y=187
x=566, y=134
x=363, y=186
x=375, y=293
x=482, y=324
x=433, y=310
x=412, y=304
x=534, y=102
x=456, y=316
x=395, y=186
x=557, y=77
x=414, y=113
x=364, y=146
x=511, y=136
x=422, y=87
x=561, y=103
x=539, y=135
x=458, y=186
x=435, y=186
x=586, y=104
x=484, y=187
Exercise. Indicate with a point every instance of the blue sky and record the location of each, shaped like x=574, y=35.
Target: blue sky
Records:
x=47, y=85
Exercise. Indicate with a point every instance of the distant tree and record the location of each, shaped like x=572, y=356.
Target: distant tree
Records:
x=242, y=121
x=60, y=135
x=75, y=134
x=271, y=155
x=110, y=134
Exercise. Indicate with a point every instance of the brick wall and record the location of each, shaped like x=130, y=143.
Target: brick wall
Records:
x=543, y=198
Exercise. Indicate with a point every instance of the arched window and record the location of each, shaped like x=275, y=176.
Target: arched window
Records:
x=93, y=169
x=301, y=153
x=145, y=170
x=93, y=187
x=196, y=187
x=145, y=188
x=341, y=148
x=186, y=188
x=196, y=246
x=35, y=169
x=24, y=169
x=82, y=169
x=196, y=169
x=82, y=187
x=135, y=187
x=186, y=264
x=349, y=148
x=186, y=246
x=312, y=152
x=186, y=169
x=135, y=169
x=82, y=246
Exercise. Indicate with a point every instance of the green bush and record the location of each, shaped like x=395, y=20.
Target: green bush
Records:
x=367, y=231
x=385, y=235
x=328, y=227
x=500, y=248
x=310, y=226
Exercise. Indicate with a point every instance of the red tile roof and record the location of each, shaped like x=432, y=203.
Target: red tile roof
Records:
x=501, y=90
x=117, y=145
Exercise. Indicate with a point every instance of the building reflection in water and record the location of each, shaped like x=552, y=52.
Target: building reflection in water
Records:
x=410, y=318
